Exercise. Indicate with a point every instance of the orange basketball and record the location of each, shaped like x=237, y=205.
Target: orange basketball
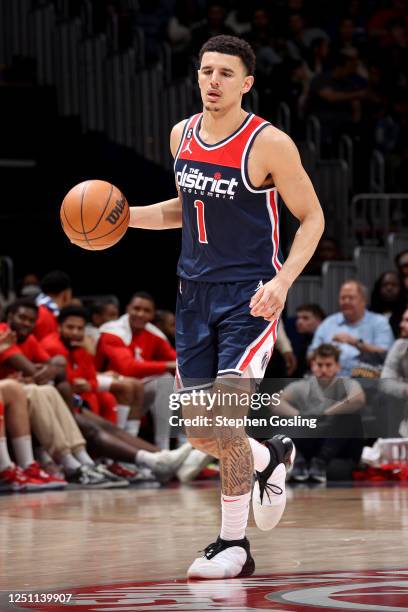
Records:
x=94, y=215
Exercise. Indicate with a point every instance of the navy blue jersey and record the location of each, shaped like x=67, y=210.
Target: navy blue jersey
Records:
x=230, y=228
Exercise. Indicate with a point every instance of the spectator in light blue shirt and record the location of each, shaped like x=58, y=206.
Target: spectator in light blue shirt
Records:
x=354, y=329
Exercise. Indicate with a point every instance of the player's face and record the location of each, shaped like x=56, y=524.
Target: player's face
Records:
x=169, y=325
x=140, y=311
x=22, y=322
x=72, y=331
x=306, y=322
x=325, y=368
x=404, y=325
x=222, y=80
x=110, y=313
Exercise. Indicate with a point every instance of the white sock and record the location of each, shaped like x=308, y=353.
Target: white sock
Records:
x=146, y=457
x=83, y=457
x=132, y=427
x=122, y=415
x=260, y=454
x=235, y=512
x=5, y=460
x=23, y=450
x=69, y=463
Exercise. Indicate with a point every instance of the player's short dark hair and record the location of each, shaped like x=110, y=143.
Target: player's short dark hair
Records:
x=144, y=295
x=161, y=315
x=99, y=306
x=327, y=350
x=55, y=282
x=231, y=45
x=314, y=309
x=72, y=311
x=21, y=303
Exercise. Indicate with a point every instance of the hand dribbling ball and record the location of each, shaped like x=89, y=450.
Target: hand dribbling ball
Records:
x=94, y=215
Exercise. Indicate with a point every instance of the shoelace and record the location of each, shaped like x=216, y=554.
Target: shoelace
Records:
x=211, y=550
x=273, y=488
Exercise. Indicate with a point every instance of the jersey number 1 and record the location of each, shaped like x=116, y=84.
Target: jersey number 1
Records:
x=202, y=232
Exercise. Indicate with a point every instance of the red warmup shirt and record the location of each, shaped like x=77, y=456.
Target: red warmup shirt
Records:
x=30, y=348
x=146, y=355
x=80, y=363
x=46, y=323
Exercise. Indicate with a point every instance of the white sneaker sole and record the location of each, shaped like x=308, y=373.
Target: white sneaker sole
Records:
x=268, y=513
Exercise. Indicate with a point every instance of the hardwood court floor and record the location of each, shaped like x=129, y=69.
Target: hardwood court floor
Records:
x=77, y=538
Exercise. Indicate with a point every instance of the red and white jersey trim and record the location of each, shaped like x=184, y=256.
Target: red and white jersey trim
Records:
x=214, y=147
x=272, y=207
x=256, y=356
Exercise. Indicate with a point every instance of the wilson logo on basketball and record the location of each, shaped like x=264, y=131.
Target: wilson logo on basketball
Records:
x=116, y=212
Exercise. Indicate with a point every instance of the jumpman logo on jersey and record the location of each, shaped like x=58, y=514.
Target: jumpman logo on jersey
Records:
x=187, y=148
x=259, y=286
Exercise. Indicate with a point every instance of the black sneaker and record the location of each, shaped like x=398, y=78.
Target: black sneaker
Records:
x=220, y=561
x=269, y=495
x=300, y=472
x=317, y=470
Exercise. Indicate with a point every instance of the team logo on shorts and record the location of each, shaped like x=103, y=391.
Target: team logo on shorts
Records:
x=378, y=591
x=264, y=361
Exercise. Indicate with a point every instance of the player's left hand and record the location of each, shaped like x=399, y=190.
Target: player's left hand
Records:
x=269, y=301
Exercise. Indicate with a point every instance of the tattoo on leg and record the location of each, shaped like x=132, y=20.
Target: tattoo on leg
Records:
x=236, y=463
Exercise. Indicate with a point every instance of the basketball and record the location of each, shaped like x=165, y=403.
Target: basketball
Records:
x=94, y=215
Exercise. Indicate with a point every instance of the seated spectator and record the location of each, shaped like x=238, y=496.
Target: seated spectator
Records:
x=300, y=331
x=332, y=401
x=55, y=293
x=327, y=250
x=25, y=354
x=389, y=299
x=394, y=374
x=81, y=371
x=104, y=389
x=401, y=261
x=354, y=329
x=165, y=320
x=132, y=347
x=27, y=475
x=100, y=312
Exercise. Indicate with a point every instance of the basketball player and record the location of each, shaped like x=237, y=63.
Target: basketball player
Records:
x=229, y=166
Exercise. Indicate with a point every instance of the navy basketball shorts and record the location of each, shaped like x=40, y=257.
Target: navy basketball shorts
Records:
x=217, y=336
